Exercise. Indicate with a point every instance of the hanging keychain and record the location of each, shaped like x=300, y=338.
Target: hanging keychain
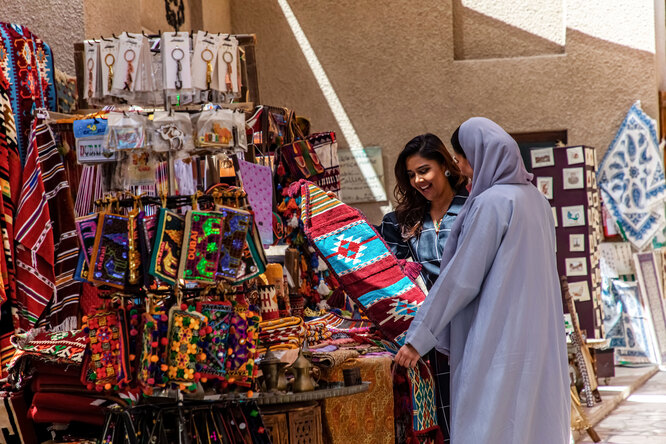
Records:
x=129, y=57
x=228, y=58
x=178, y=55
x=207, y=56
x=109, y=61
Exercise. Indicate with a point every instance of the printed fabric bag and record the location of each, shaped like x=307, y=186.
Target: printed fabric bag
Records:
x=299, y=157
x=326, y=147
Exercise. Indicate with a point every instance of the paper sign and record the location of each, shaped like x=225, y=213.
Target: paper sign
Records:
x=362, y=175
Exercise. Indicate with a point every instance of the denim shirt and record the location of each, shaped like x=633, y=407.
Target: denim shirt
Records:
x=426, y=248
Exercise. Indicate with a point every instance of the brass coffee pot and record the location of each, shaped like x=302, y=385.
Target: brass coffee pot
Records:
x=273, y=371
x=302, y=369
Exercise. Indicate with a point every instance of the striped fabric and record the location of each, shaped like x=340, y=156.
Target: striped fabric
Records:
x=9, y=159
x=361, y=261
x=35, y=273
x=63, y=311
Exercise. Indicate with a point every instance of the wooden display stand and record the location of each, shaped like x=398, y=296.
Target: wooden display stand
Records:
x=294, y=424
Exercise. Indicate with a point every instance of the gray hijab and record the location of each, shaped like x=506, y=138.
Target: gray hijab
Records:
x=495, y=159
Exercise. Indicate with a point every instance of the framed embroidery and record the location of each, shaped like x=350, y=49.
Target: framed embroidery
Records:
x=580, y=291
x=576, y=266
x=577, y=243
x=575, y=155
x=545, y=185
x=110, y=261
x=572, y=178
x=542, y=157
x=573, y=216
x=168, y=243
x=200, y=255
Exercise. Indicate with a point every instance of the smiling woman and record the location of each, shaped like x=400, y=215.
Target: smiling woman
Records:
x=430, y=192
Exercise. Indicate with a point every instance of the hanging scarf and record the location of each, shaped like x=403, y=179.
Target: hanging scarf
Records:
x=35, y=272
x=64, y=307
x=28, y=65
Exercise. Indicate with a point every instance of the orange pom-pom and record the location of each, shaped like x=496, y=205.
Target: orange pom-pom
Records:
x=164, y=367
x=204, y=380
x=107, y=386
x=132, y=357
x=250, y=393
x=154, y=358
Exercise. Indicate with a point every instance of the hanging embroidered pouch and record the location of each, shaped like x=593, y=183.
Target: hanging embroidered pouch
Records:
x=109, y=260
x=236, y=225
x=215, y=341
x=301, y=160
x=101, y=370
x=242, y=345
x=254, y=257
x=153, y=365
x=200, y=254
x=168, y=242
x=186, y=330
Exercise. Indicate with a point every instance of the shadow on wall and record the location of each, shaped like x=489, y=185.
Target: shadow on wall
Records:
x=478, y=36
x=395, y=74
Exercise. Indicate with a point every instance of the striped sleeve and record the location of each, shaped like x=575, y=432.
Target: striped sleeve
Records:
x=392, y=234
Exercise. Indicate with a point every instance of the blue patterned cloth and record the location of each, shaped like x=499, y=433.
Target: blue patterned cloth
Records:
x=631, y=178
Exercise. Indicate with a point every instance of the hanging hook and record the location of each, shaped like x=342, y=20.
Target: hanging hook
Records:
x=114, y=36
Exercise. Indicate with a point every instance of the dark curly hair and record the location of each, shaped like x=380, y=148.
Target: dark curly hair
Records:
x=411, y=204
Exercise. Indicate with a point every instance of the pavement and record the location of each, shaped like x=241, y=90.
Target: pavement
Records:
x=639, y=419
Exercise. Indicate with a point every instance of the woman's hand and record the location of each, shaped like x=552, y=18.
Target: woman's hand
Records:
x=407, y=356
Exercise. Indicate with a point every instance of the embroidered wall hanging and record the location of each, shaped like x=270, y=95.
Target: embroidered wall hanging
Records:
x=631, y=178
x=110, y=256
x=242, y=344
x=186, y=330
x=361, y=261
x=215, y=341
x=102, y=368
x=236, y=225
x=167, y=246
x=200, y=254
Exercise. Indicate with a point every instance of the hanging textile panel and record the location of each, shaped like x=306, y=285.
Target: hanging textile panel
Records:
x=361, y=261
x=28, y=65
x=631, y=178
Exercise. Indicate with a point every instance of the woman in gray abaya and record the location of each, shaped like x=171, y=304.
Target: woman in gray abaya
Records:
x=496, y=307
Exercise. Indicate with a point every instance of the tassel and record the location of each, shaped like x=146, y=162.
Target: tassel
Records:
x=292, y=205
x=295, y=188
x=322, y=266
x=411, y=269
x=293, y=222
x=280, y=170
x=282, y=207
x=323, y=289
x=323, y=306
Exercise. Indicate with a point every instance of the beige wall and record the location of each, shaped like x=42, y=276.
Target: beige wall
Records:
x=396, y=65
x=57, y=22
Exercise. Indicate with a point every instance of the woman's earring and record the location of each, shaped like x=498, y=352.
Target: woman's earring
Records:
x=447, y=173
